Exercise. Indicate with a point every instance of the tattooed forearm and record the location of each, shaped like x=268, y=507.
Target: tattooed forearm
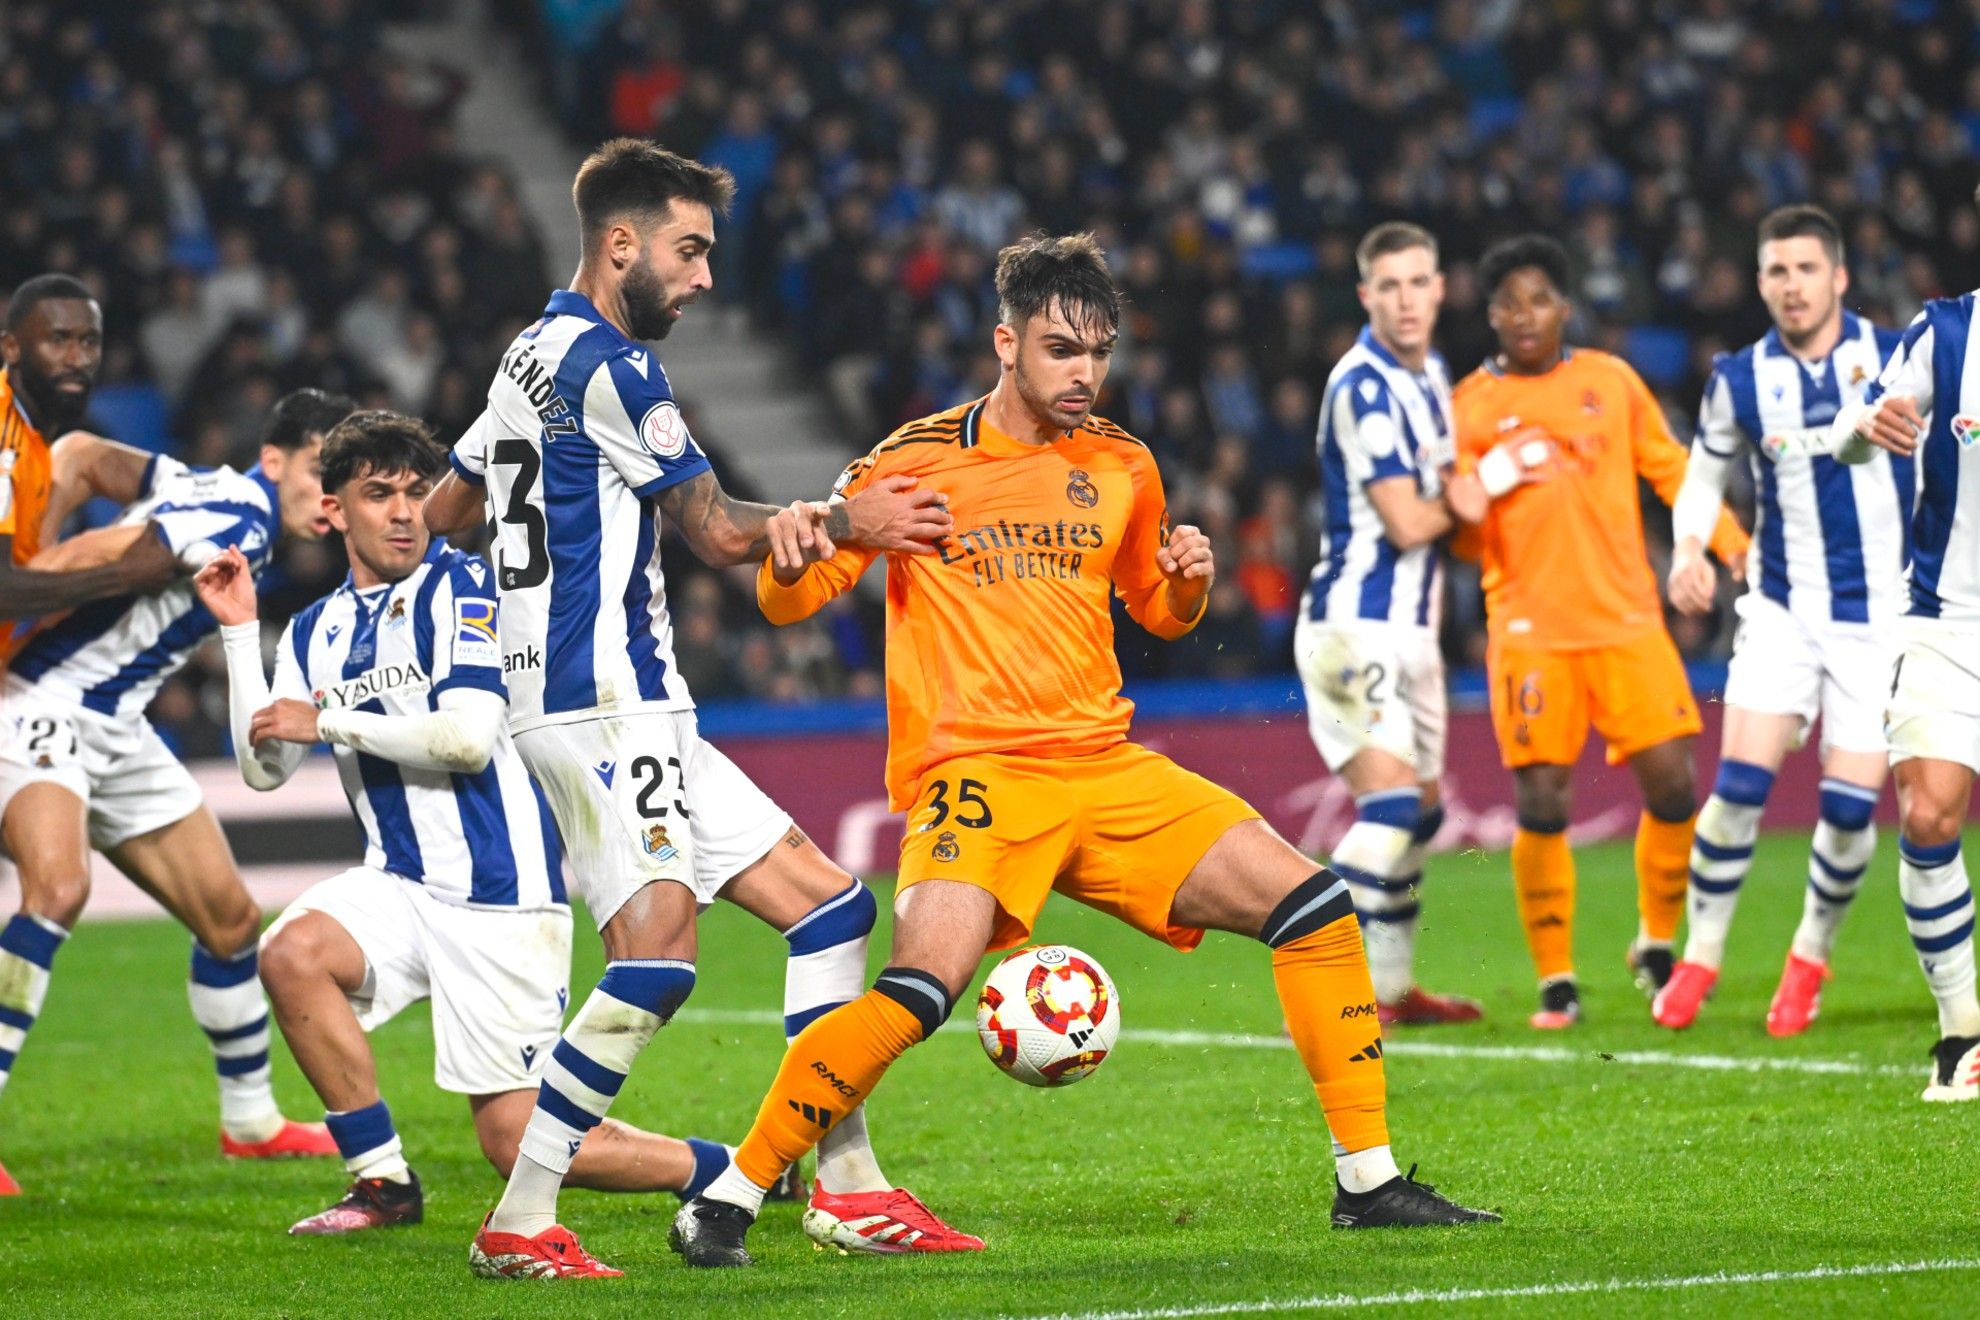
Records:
x=721, y=531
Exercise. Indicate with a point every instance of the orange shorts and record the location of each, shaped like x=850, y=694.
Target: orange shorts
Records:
x=1118, y=830
x=1635, y=694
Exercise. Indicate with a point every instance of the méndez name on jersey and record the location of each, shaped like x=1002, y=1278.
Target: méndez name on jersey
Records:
x=580, y=434
x=482, y=840
x=1831, y=538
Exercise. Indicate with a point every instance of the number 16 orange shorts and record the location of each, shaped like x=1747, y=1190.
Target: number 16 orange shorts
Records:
x=1634, y=693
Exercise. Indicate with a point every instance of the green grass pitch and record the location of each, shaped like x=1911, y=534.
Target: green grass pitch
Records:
x=1182, y=1177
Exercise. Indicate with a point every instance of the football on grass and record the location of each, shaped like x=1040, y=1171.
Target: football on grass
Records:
x=1048, y=1015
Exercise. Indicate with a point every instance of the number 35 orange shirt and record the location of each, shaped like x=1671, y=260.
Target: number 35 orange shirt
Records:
x=1003, y=639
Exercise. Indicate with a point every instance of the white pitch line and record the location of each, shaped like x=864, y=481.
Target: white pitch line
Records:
x=1435, y=1049
x=1420, y=1296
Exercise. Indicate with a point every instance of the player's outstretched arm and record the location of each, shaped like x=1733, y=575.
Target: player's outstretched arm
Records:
x=145, y=564
x=1892, y=424
x=226, y=587
x=82, y=465
x=891, y=517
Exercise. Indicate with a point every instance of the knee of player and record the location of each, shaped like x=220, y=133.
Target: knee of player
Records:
x=1742, y=783
x=1541, y=800
x=58, y=895
x=1930, y=824
x=921, y=993
x=292, y=955
x=1672, y=796
x=656, y=985
x=847, y=916
x=232, y=935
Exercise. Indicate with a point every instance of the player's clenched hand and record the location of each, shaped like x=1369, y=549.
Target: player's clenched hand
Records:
x=1693, y=582
x=895, y=515
x=226, y=587
x=1187, y=557
x=285, y=720
x=798, y=537
x=1525, y=455
x=1894, y=424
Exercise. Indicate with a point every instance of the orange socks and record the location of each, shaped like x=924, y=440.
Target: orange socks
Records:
x=833, y=1065
x=1543, y=880
x=1663, y=868
x=1329, y=1005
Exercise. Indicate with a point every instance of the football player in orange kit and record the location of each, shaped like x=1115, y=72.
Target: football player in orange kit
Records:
x=1008, y=749
x=50, y=349
x=1550, y=443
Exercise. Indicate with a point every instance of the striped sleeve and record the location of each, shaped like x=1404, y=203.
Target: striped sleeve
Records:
x=1371, y=441
x=636, y=424
x=1718, y=427
x=469, y=456
x=462, y=611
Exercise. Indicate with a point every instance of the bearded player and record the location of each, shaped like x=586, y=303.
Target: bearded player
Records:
x=1816, y=636
x=1551, y=442
x=1008, y=750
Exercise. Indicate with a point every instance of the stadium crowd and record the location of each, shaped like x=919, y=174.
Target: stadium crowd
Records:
x=264, y=196
x=1230, y=155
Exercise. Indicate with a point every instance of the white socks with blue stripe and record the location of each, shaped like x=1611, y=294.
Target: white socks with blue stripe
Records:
x=1938, y=910
x=228, y=1005
x=632, y=1001
x=27, y=952
x=827, y=968
x=1375, y=857
x=1845, y=840
x=1721, y=853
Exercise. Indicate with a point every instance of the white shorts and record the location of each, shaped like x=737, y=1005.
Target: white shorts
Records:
x=499, y=978
x=640, y=797
x=1783, y=664
x=1374, y=684
x=1935, y=694
x=120, y=768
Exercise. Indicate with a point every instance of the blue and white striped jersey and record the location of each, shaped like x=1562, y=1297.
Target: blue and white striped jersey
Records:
x=110, y=656
x=1378, y=419
x=1936, y=365
x=481, y=840
x=1830, y=538
x=580, y=434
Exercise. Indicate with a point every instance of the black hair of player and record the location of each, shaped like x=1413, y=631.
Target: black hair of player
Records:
x=1387, y=237
x=379, y=444
x=1803, y=220
x=1068, y=274
x=43, y=288
x=303, y=413
x=632, y=178
x=1527, y=252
